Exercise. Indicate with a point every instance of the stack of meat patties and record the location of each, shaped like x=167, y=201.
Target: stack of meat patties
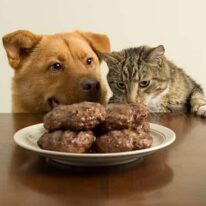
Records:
x=86, y=126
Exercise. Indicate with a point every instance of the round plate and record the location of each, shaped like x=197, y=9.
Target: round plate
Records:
x=28, y=137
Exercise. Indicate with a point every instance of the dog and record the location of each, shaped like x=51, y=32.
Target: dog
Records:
x=57, y=69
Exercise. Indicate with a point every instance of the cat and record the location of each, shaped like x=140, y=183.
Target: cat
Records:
x=144, y=74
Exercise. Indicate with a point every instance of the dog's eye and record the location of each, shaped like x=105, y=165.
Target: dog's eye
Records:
x=144, y=84
x=89, y=60
x=56, y=66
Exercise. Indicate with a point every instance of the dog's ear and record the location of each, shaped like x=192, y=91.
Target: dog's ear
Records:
x=18, y=46
x=99, y=42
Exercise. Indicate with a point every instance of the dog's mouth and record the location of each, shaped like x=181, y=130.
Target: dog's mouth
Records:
x=54, y=102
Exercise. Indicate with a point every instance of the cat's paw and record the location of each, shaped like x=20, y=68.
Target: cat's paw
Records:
x=201, y=111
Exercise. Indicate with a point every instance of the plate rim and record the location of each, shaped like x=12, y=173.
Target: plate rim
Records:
x=153, y=127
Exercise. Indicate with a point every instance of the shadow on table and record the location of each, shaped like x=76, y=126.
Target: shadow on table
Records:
x=71, y=184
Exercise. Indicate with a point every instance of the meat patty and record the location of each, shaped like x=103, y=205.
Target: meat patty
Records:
x=122, y=141
x=144, y=127
x=81, y=116
x=67, y=141
x=120, y=127
x=125, y=116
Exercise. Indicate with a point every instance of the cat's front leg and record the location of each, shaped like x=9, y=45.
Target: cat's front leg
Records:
x=198, y=102
x=201, y=111
x=173, y=103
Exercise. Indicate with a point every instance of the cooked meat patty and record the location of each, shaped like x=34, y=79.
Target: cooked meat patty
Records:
x=144, y=127
x=80, y=116
x=120, y=127
x=124, y=116
x=67, y=141
x=122, y=141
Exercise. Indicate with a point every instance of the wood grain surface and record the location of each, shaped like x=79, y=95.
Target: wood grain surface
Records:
x=173, y=176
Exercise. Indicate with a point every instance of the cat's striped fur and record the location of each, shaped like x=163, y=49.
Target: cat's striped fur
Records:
x=144, y=74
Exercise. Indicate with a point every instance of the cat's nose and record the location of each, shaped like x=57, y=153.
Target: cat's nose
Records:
x=130, y=99
x=90, y=85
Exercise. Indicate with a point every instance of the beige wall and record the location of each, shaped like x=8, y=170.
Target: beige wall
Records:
x=178, y=24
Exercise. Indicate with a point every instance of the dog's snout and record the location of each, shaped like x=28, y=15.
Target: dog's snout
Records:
x=90, y=84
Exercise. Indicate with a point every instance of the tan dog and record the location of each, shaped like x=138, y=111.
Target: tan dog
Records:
x=55, y=69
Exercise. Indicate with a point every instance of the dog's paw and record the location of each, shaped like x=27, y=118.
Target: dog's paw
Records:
x=201, y=111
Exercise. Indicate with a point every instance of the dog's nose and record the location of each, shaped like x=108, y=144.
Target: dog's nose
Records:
x=90, y=85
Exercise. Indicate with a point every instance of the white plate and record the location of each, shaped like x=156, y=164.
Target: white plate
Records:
x=28, y=137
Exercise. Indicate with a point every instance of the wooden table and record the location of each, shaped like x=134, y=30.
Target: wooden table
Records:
x=173, y=176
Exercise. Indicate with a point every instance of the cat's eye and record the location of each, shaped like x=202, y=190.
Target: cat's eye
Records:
x=121, y=85
x=144, y=84
x=56, y=67
x=89, y=60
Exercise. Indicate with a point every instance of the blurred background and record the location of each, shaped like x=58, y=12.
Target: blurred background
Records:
x=180, y=25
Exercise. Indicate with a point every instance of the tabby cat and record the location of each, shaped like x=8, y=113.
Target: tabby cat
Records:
x=144, y=74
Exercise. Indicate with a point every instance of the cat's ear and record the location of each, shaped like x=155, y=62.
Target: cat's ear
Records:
x=110, y=58
x=155, y=55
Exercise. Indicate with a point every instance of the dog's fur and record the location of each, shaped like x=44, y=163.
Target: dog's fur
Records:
x=35, y=81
